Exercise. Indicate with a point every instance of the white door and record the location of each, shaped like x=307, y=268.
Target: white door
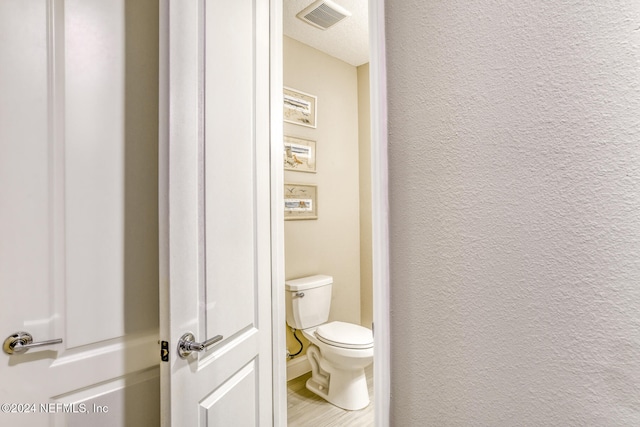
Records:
x=78, y=262
x=215, y=191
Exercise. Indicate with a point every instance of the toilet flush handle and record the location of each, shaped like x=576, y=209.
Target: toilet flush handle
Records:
x=300, y=294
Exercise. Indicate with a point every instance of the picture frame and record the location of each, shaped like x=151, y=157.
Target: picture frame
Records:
x=299, y=154
x=300, y=201
x=300, y=108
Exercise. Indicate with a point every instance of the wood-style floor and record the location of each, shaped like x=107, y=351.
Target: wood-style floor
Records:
x=305, y=409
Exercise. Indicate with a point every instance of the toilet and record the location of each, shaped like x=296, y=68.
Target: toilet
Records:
x=339, y=351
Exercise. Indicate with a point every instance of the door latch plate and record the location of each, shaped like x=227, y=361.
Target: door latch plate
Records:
x=164, y=351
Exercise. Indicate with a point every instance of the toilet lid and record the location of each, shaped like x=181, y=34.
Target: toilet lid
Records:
x=346, y=335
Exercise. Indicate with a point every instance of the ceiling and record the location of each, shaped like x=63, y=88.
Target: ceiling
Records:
x=347, y=40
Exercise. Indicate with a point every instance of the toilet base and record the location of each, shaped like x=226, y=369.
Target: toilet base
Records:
x=346, y=389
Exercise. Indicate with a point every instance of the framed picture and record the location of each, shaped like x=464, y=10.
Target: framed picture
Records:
x=299, y=154
x=300, y=201
x=299, y=107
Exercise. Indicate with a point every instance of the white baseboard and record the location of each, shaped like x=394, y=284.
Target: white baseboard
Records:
x=298, y=366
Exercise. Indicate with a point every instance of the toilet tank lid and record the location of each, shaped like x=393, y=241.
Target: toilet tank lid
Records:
x=307, y=282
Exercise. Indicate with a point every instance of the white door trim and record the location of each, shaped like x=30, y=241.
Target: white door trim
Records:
x=279, y=343
x=380, y=216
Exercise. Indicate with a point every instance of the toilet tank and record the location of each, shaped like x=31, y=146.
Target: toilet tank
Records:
x=308, y=300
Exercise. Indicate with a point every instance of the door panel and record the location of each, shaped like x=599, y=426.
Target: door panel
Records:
x=74, y=150
x=229, y=159
x=216, y=245
x=94, y=147
x=24, y=208
x=234, y=402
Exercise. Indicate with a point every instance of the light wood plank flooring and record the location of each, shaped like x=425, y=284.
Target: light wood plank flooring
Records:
x=306, y=409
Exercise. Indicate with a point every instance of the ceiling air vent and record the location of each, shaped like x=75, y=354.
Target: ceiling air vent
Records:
x=323, y=14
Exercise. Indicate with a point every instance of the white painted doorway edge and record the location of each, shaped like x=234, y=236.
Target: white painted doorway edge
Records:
x=380, y=216
x=279, y=351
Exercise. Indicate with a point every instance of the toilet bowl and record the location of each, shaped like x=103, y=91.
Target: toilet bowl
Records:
x=339, y=351
x=337, y=368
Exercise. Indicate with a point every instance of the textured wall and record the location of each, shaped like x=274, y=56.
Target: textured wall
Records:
x=515, y=212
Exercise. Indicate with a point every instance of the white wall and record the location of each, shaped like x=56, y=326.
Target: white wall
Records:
x=515, y=212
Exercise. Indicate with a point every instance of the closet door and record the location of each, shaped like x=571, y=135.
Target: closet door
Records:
x=216, y=242
x=78, y=258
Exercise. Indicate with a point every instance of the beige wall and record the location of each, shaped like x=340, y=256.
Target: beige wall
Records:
x=331, y=244
x=364, y=138
x=514, y=212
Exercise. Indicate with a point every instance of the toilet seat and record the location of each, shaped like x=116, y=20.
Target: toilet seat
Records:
x=345, y=335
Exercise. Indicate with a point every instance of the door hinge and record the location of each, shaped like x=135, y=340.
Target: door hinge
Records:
x=164, y=351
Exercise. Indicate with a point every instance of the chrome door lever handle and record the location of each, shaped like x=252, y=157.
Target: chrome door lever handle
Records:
x=20, y=342
x=187, y=345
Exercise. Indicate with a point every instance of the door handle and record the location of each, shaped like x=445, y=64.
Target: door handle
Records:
x=186, y=345
x=20, y=342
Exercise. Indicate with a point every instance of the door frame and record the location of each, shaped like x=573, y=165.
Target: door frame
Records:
x=379, y=218
x=380, y=214
x=278, y=319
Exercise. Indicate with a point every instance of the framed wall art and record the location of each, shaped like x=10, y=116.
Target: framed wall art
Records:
x=300, y=107
x=300, y=201
x=299, y=154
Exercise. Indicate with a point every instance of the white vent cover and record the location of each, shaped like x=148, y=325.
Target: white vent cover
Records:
x=323, y=14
